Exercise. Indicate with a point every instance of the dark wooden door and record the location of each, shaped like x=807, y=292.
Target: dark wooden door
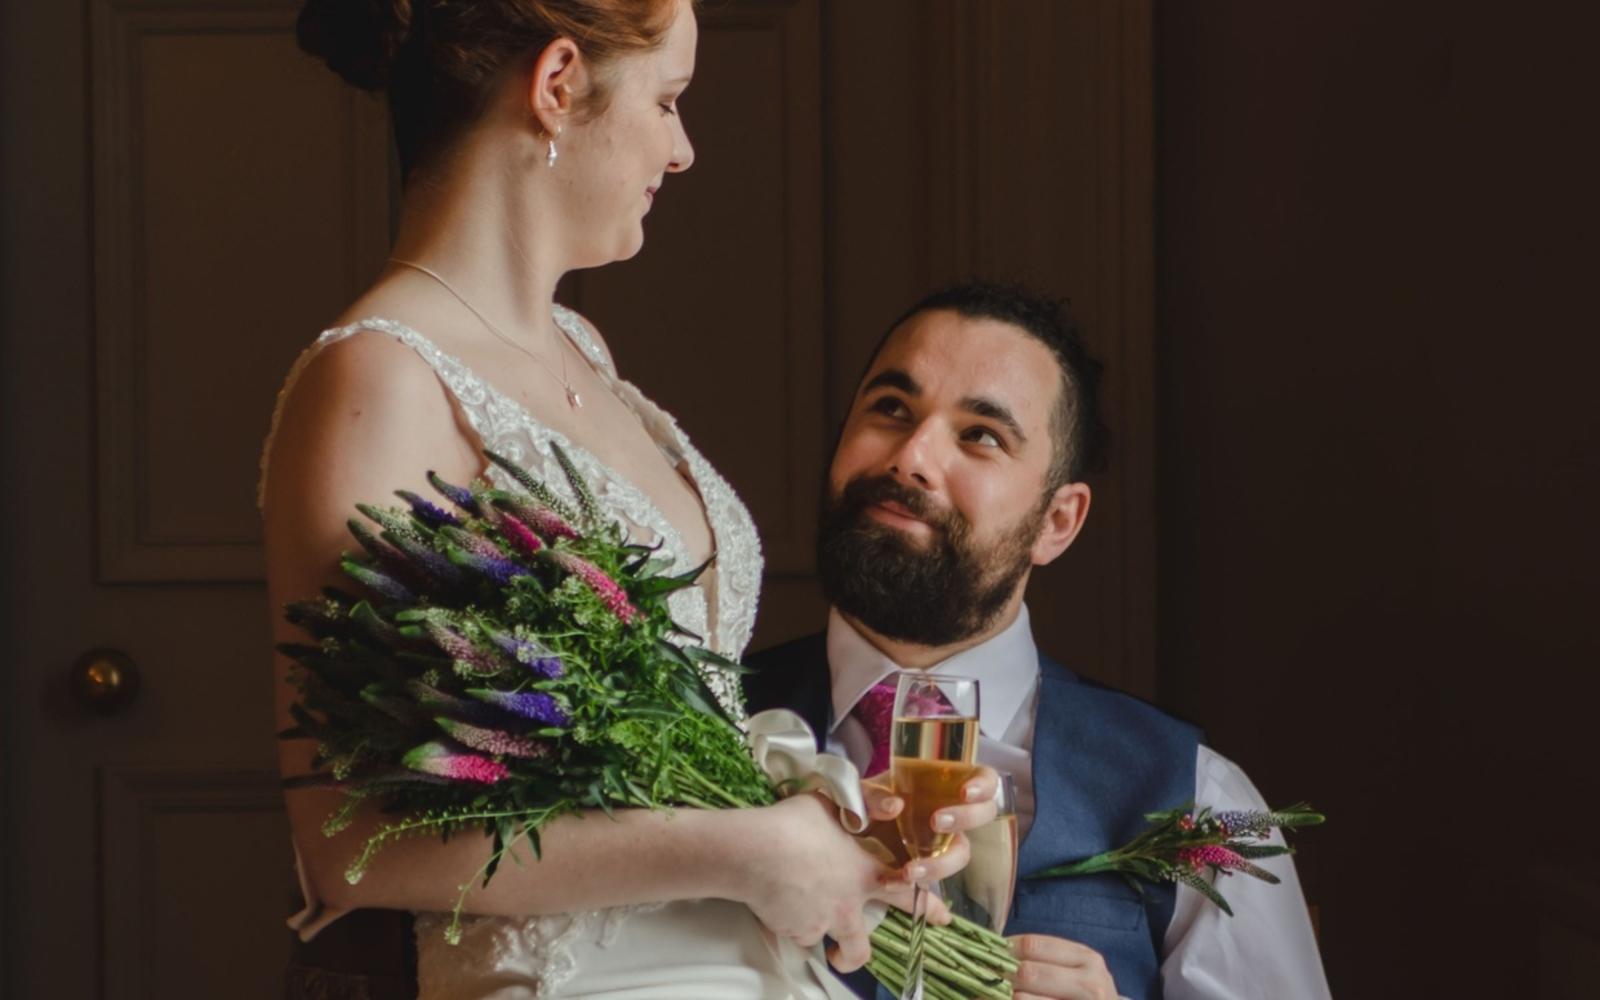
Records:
x=187, y=198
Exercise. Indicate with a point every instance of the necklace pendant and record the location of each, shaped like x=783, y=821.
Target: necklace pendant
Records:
x=573, y=399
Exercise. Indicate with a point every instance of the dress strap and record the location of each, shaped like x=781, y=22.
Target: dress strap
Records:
x=577, y=331
x=467, y=389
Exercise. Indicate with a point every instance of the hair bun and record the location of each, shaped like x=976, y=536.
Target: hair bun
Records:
x=358, y=39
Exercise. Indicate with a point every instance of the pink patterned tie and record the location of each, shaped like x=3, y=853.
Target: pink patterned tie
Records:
x=875, y=711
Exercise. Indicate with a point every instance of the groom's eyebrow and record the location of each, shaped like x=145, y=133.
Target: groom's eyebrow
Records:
x=998, y=412
x=893, y=378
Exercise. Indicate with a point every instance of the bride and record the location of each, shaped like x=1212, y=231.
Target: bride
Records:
x=534, y=136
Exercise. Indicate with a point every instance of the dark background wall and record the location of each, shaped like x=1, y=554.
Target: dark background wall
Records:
x=1378, y=461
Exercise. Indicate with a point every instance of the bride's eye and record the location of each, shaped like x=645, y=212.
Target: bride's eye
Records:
x=669, y=108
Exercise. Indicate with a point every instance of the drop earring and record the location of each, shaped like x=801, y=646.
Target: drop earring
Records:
x=550, y=156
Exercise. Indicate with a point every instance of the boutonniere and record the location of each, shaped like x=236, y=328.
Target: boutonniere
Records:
x=1182, y=844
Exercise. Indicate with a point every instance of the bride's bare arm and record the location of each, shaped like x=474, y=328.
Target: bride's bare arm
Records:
x=367, y=417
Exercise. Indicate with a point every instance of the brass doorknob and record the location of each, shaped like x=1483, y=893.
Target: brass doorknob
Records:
x=105, y=680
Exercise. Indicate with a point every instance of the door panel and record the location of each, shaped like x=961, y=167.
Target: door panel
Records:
x=240, y=197
x=194, y=888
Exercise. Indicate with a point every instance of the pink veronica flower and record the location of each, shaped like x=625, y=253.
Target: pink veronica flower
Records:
x=610, y=594
x=1212, y=855
x=438, y=758
x=519, y=534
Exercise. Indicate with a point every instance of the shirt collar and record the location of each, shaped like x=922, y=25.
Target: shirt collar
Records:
x=1005, y=664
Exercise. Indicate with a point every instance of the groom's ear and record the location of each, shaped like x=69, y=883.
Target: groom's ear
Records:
x=1063, y=519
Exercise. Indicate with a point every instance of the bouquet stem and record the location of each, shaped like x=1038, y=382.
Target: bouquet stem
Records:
x=961, y=960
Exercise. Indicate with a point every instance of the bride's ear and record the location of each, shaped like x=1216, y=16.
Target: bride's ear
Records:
x=1063, y=519
x=558, y=75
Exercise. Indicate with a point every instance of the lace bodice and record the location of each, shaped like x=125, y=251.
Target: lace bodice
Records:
x=723, y=607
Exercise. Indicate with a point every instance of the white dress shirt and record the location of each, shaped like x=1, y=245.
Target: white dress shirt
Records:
x=1266, y=951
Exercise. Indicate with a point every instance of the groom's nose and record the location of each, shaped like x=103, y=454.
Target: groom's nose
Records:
x=914, y=459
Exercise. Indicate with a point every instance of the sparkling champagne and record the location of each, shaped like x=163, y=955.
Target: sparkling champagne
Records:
x=930, y=759
x=981, y=892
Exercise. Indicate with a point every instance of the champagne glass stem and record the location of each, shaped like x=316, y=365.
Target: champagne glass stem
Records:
x=919, y=927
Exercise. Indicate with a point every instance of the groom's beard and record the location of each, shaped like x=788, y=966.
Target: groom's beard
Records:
x=935, y=593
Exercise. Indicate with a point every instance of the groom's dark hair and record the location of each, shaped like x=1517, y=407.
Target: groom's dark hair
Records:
x=1081, y=437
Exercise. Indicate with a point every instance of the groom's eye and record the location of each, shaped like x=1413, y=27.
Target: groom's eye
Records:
x=889, y=406
x=985, y=437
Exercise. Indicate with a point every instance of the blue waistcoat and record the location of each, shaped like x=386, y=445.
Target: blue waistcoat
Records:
x=1101, y=760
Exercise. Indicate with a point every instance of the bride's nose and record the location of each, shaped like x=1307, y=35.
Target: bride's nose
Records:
x=682, y=152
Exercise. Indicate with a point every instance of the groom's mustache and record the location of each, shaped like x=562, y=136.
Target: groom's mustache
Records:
x=863, y=491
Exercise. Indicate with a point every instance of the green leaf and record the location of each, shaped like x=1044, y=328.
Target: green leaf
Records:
x=1203, y=886
x=1260, y=850
x=1101, y=862
x=700, y=654
x=1298, y=815
x=496, y=851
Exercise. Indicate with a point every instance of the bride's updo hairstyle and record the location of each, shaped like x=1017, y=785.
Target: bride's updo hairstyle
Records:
x=439, y=60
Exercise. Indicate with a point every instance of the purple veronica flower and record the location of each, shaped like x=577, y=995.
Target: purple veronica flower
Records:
x=458, y=495
x=472, y=542
x=475, y=712
x=1238, y=822
x=461, y=649
x=403, y=535
x=535, y=705
x=379, y=581
x=535, y=655
x=495, y=741
x=499, y=569
x=432, y=514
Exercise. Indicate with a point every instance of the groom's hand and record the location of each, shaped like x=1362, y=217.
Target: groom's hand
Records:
x=1057, y=969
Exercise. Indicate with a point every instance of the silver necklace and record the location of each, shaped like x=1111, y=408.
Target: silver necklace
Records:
x=573, y=399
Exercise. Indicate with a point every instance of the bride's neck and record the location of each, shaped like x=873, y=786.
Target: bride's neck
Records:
x=476, y=224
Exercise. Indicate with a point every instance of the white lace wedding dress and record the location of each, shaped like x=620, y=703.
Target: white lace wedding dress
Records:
x=695, y=950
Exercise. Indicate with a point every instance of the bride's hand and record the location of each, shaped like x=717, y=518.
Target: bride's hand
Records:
x=806, y=878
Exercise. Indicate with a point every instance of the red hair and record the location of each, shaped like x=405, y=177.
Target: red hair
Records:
x=438, y=60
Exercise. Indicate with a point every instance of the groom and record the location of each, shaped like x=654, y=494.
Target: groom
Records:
x=958, y=470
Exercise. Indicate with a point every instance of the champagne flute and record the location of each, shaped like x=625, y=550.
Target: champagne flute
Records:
x=982, y=891
x=933, y=751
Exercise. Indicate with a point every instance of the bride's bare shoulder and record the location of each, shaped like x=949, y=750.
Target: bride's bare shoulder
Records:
x=366, y=415
x=369, y=371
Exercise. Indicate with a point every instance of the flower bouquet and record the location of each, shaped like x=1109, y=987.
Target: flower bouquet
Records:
x=511, y=658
